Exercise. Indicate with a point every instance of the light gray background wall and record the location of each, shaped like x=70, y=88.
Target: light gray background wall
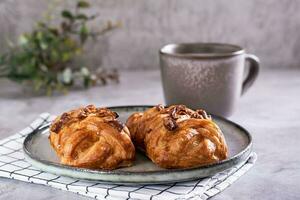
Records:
x=269, y=28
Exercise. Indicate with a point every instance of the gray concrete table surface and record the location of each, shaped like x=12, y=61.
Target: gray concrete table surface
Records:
x=270, y=111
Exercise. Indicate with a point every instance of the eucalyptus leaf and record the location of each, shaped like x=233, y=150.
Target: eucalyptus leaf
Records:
x=82, y=17
x=23, y=40
x=83, y=4
x=86, y=82
x=66, y=56
x=54, y=55
x=85, y=71
x=44, y=68
x=83, y=33
x=67, y=14
x=67, y=76
x=43, y=45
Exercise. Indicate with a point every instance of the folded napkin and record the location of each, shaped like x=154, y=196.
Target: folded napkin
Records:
x=13, y=165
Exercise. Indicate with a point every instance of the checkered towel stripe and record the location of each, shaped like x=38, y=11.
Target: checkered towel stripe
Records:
x=13, y=165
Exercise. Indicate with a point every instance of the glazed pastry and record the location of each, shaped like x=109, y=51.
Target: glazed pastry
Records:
x=92, y=138
x=177, y=137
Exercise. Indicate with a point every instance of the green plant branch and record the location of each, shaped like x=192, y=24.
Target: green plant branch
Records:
x=45, y=56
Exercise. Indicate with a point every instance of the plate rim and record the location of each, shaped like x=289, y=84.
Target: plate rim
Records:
x=234, y=158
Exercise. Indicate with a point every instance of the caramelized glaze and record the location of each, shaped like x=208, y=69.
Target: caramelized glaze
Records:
x=92, y=138
x=177, y=137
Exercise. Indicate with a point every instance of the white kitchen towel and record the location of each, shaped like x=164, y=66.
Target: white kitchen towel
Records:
x=13, y=165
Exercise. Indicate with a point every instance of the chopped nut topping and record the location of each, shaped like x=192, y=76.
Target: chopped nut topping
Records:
x=89, y=108
x=65, y=116
x=159, y=107
x=202, y=114
x=178, y=113
x=82, y=115
x=56, y=126
x=116, y=124
x=116, y=114
x=197, y=116
x=170, y=123
x=173, y=113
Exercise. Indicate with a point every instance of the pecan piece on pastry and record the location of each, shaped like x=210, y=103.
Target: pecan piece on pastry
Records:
x=177, y=137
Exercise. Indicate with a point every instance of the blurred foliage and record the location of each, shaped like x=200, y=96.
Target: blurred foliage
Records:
x=45, y=57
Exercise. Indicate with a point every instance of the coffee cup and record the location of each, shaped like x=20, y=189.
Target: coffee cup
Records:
x=206, y=75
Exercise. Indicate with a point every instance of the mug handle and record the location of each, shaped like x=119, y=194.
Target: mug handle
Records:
x=253, y=72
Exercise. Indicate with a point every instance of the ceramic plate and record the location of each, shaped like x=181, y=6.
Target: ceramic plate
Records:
x=39, y=153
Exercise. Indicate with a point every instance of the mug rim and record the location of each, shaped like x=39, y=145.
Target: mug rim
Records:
x=170, y=50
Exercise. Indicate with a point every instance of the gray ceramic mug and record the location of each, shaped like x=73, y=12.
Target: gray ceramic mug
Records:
x=206, y=75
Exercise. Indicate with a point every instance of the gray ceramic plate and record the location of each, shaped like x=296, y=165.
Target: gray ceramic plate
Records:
x=39, y=153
